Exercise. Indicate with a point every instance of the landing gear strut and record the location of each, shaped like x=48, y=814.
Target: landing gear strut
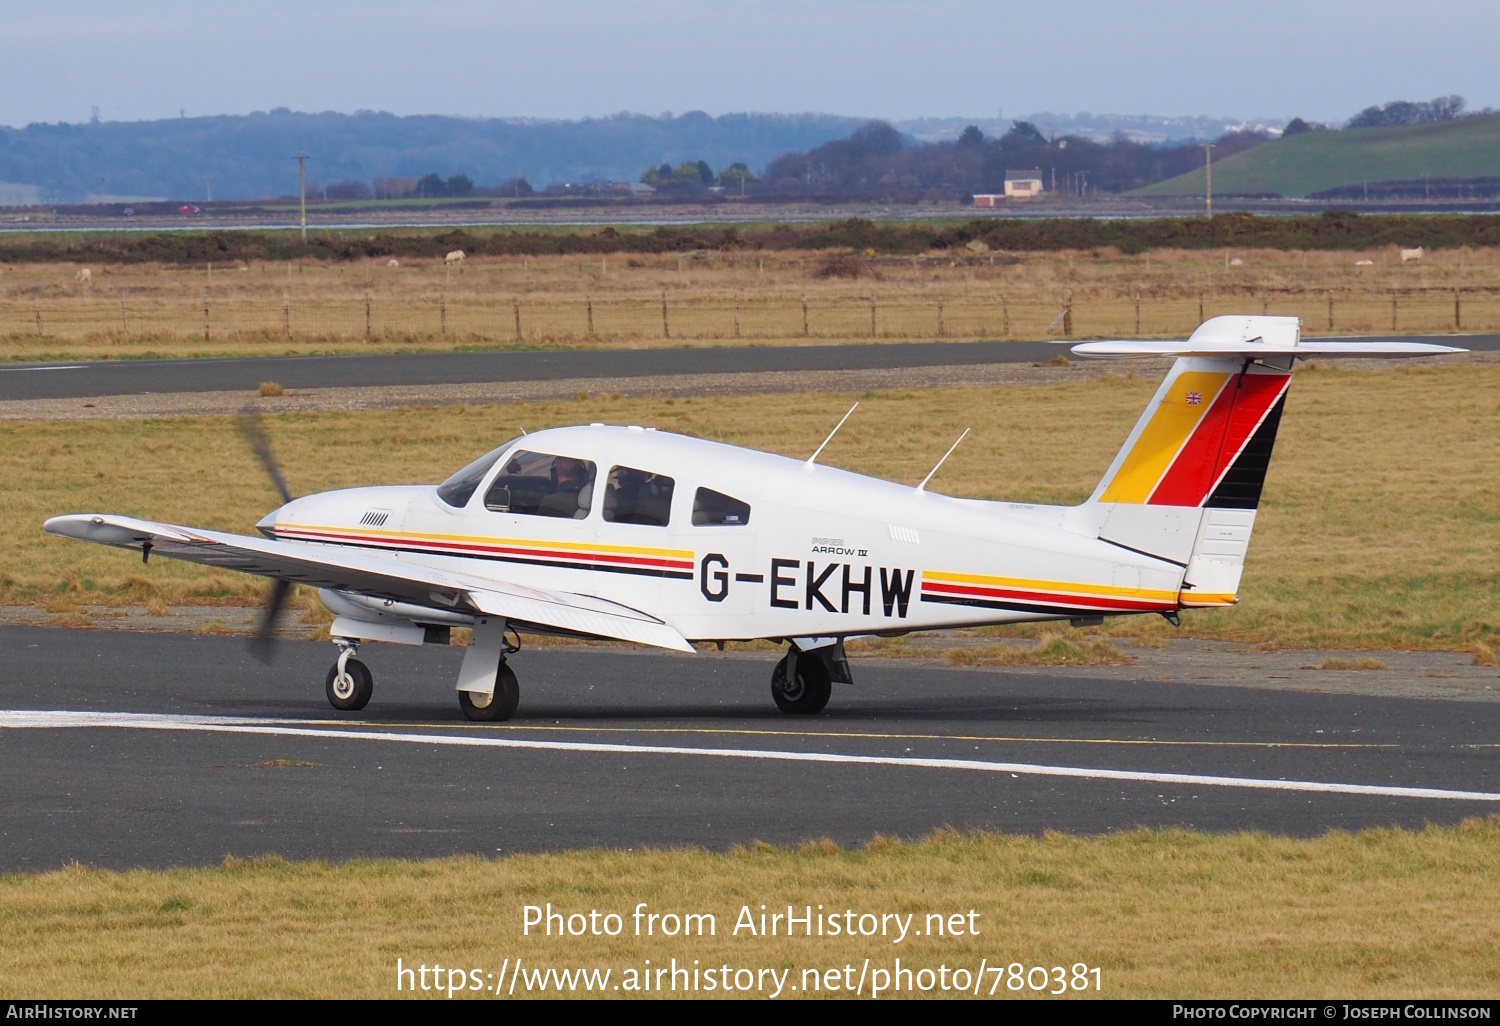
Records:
x=487, y=686
x=350, y=683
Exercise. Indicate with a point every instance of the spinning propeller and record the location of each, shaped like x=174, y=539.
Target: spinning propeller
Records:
x=263, y=644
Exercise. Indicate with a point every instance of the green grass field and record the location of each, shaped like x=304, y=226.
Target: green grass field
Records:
x=1313, y=161
x=1381, y=913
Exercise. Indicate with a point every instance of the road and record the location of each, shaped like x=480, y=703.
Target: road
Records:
x=138, y=377
x=132, y=749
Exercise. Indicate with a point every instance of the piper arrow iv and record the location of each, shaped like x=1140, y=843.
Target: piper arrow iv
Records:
x=632, y=534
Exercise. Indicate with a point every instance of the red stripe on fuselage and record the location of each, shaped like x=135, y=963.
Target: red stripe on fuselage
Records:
x=1218, y=439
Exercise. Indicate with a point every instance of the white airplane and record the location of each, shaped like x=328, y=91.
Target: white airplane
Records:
x=633, y=534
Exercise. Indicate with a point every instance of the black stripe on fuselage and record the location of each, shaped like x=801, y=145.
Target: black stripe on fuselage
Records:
x=1027, y=607
x=638, y=571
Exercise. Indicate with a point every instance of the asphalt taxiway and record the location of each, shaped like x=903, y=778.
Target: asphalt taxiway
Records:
x=77, y=380
x=134, y=749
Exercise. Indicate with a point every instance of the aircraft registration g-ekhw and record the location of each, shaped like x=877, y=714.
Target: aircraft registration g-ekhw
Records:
x=638, y=535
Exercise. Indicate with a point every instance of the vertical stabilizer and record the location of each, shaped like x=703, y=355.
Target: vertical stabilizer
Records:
x=1186, y=484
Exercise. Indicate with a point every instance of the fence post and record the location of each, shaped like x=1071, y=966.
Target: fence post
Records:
x=1200, y=308
x=589, y=301
x=286, y=311
x=367, y=318
x=1068, y=313
x=804, y=316
x=205, y=318
x=872, y=315
x=516, y=306
x=1330, y=309
x=1265, y=303
x=1393, y=311
x=124, y=317
x=36, y=308
x=443, y=315
x=666, y=329
x=736, y=315
x=940, y=313
x=1458, y=320
x=1138, y=312
x=1004, y=316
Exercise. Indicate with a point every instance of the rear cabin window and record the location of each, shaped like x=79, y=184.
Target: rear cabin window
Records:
x=637, y=497
x=715, y=509
x=542, y=485
x=459, y=489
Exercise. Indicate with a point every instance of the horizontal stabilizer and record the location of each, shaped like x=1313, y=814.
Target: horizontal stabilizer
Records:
x=1252, y=336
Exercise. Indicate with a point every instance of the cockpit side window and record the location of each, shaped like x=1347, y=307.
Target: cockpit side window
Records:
x=459, y=489
x=638, y=497
x=540, y=484
x=715, y=509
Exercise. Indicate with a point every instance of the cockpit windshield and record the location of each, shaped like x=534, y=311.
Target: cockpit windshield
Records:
x=459, y=489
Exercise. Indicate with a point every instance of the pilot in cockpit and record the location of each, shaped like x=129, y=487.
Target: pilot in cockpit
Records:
x=571, y=493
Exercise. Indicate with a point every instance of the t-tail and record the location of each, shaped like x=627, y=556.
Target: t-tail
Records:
x=1186, y=485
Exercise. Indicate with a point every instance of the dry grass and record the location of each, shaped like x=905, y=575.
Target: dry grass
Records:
x=714, y=299
x=1056, y=650
x=1381, y=913
x=1378, y=526
x=1354, y=664
x=270, y=389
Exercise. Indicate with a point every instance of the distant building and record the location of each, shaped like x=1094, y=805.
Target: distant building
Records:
x=1023, y=184
x=988, y=199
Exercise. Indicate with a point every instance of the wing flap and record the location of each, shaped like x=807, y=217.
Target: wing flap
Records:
x=340, y=567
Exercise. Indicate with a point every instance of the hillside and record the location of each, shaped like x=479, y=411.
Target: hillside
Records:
x=250, y=156
x=1300, y=165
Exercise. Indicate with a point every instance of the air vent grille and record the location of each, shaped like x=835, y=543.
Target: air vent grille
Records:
x=375, y=518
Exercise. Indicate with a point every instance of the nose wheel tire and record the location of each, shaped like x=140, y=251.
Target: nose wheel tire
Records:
x=351, y=690
x=496, y=706
x=807, y=694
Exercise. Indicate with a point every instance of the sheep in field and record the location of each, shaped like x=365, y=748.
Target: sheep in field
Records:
x=393, y=262
x=1408, y=255
x=456, y=257
x=84, y=276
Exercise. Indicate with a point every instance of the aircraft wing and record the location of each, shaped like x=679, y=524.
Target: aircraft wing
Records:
x=340, y=567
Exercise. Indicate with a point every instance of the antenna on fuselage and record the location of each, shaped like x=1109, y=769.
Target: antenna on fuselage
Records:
x=814, y=457
x=940, y=462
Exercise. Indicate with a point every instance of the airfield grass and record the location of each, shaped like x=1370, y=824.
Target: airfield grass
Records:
x=718, y=299
x=1379, y=913
x=1377, y=527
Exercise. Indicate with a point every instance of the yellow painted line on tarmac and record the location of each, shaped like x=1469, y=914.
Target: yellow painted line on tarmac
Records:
x=857, y=735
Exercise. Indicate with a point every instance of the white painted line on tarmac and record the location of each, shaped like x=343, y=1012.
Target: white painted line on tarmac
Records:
x=60, y=719
x=68, y=366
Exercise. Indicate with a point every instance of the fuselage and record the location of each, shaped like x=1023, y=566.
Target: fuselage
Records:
x=728, y=543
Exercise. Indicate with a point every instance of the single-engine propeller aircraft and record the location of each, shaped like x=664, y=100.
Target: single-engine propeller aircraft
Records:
x=638, y=535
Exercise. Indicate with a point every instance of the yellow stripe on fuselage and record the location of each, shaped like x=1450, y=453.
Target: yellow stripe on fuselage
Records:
x=1106, y=590
x=1195, y=599
x=1165, y=434
x=622, y=550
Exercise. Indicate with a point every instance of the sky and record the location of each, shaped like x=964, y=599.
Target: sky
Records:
x=1318, y=59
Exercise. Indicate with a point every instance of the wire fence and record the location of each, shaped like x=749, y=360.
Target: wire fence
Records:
x=540, y=319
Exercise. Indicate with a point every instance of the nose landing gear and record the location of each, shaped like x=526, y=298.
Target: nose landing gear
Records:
x=350, y=683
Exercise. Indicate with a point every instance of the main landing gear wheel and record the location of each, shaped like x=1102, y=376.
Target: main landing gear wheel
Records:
x=808, y=693
x=350, y=690
x=499, y=705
